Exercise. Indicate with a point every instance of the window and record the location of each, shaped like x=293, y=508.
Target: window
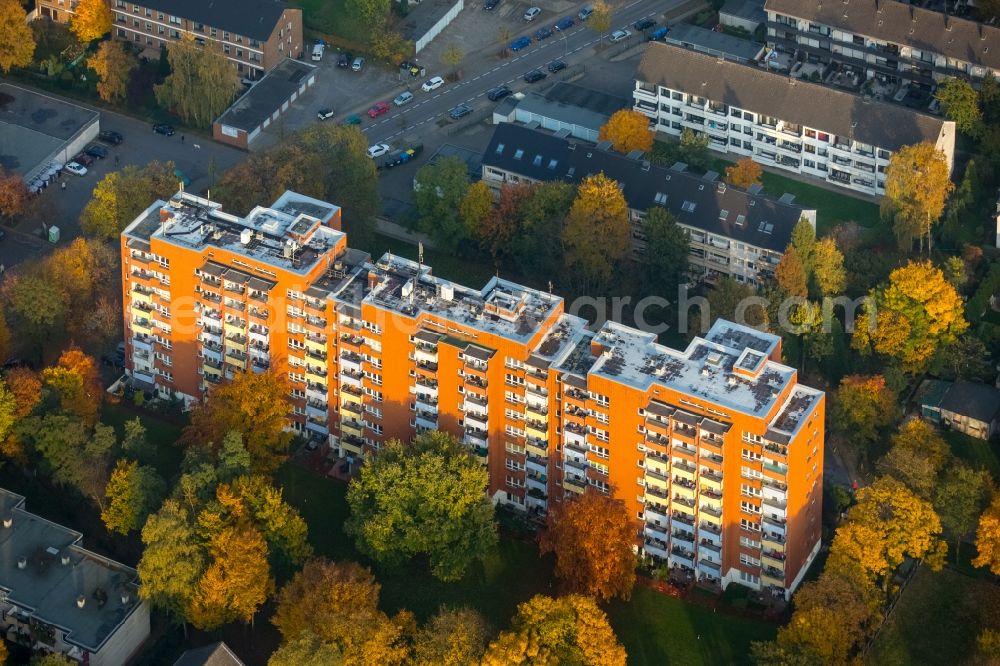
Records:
x=749, y=561
x=660, y=198
x=537, y=161
x=723, y=214
x=518, y=154
x=688, y=206
x=500, y=148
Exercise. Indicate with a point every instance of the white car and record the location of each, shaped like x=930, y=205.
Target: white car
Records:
x=619, y=35
x=378, y=150
x=432, y=84
x=532, y=13
x=76, y=169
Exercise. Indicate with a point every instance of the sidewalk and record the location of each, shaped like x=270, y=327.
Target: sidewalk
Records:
x=393, y=230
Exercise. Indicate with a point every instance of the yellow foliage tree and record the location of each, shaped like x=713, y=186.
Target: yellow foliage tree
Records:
x=567, y=630
x=596, y=231
x=917, y=184
x=114, y=67
x=828, y=267
x=988, y=538
x=627, y=130
x=76, y=381
x=91, y=20
x=17, y=42
x=744, y=173
x=236, y=583
x=592, y=538
x=201, y=84
x=916, y=314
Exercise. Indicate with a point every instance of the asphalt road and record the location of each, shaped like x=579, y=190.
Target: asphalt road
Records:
x=567, y=46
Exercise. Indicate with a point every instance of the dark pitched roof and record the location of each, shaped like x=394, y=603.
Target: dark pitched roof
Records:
x=972, y=399
x=902, y=24
x=701, y=39
x=251, y=18
x=216, y=654
x=795, y=100
x=544, y=157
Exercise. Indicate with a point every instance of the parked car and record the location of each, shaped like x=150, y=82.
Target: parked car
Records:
x=96, y=151
x=76, y=169
x=378, y=109
x=490, y=5
x=556, y=66
x=619, y=35
x=344, y=60
x=402, y=98
x=520, y=43
x=543, y=33
x=643, y=24
x=353, y=119
x=494, y=94
x=658, y=34
x=164, y=129
x=317, y=52
x=585, y=12
x=534, y=76
x=323, y=114
x=110, y=137
x=378, y=150
x=84, y=159
x=532, y=13
x=565, y=23
x=432, y=84
x=358, y=64
x=460, y=111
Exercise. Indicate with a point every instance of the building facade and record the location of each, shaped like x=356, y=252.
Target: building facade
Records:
x=255, y=35
x=786, y=123
x=886, y=38
x=716, y=450
x=733, y=233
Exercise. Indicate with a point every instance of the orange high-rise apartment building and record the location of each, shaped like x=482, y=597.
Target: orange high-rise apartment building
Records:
x=716, y=450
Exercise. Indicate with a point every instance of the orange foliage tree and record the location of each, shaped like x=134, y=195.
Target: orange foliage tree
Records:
x=252, y=404
x=790, y=274
x=77, y=383
x=861, y=406
x=592, y=537
x=627, y=130
x=744, y=173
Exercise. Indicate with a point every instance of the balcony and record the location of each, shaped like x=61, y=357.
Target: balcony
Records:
x=711, y=510
x=683, y=518
x=684, y=483
x=656, y=548
x=574, y=484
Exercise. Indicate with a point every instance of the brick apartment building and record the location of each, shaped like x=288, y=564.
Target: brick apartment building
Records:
x=717, y=450
x=255, y=35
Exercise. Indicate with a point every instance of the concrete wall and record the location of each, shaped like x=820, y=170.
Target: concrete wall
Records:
x=436, y=29
x=126, y=641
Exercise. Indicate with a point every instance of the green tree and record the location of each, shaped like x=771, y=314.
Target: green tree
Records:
x=804, y=241
x=862, y=405
x=966, y=358
x=537, y=249
x=596, y=234
x=306, y=650
x=438, y=193
x=426, y=499
x=8, y=410
x=72, y=454
x=91, y=20
x=959, y=499
x=727, y=299
x=664, y=264
x=135, y=444
x=281, y=525
x=120, y=196
x=173, y=560
x=133, y=492
x=693, y=150
x=201, y=84
x=17, y=43
x=371, y=12
x=917, y=184
x=916, y=458
x=234, y=459
x=38, y=302
x=960, y=102
x=453, y=637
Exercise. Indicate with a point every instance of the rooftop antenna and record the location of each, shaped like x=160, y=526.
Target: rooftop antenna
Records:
x=550, y=287
x=420, y=256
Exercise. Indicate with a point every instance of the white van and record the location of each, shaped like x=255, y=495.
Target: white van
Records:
x=317, y=53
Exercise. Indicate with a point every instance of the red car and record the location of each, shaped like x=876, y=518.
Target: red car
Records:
x=380, y=108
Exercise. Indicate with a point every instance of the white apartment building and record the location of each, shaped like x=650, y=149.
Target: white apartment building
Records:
x=790, y=124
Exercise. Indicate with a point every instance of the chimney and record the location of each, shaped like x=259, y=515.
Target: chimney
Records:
x=81, y=601
x=64, y=558
x=22, y=562
x=8, y=521
x=125, y=598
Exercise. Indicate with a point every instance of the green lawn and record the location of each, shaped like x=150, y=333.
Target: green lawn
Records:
x=936, y=620
x=162, y=434
x=655, y=629
x=332, y=17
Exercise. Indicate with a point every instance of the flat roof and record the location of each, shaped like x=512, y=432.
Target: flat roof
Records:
x=535, y=106
x=597, y=101
x=34, y=125
x=38, y=582
x=689, y=35
x=423, y=16
x=748, y=10
x=267, y=95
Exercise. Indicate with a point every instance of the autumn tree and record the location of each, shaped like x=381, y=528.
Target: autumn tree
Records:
x=888, y=524
x=201, y=84
x=39, y=303
x=236, y=583
x=438, y=192
x=370, y=11
x=914, y=315
x=452, y=57
x=120, y=196
x=596, y=233
x=252, y=404
x=259, y=501
x=17, y=43
x=694, y=148
x=503, y=223
x=664, y=265
x=26, y=387
x=8, y=411
x=306, y=650
x=452, y=637
x=828, y=268
x=790, y=274
x=113, y=66
x=960, y=102
x=592, y=536
x=133, y=492
x=917, y=184
x=91, y=20
x=862, y=405
x=916, y=457
x=173, y=559
x=727, y=299
x=600, y=17
x=959, y=499
x=568, y=630
x=988, y=537
x=475, y=206
x=77, y=383
x=13, y=194
x=627, y=130
x=72, y=454
x=744, y=173
x=425, y=498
